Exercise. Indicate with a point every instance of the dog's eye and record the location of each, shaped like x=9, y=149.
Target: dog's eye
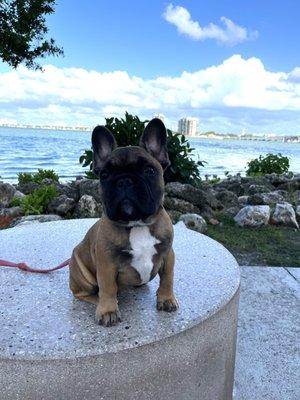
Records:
x=150, y=171
x=103, y=175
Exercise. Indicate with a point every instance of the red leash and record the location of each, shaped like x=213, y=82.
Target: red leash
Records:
x=25, y=267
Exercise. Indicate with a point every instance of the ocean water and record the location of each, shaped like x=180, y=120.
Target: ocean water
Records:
x=27, y=150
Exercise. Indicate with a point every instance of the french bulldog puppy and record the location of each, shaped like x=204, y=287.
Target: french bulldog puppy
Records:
x=132, y=241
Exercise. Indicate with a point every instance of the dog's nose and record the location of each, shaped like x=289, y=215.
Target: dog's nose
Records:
x=124, y=183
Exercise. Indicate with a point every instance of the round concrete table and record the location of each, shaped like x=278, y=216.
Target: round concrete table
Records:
x=51, y=347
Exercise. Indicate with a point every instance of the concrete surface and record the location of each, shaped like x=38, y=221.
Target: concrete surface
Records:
x=51, y=348
x=294, y=272
x=268, y=347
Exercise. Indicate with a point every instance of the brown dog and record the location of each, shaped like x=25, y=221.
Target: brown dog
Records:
x=132, y=241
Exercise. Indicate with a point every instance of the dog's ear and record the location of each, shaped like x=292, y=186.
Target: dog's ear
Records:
x=103, y=143
x=154, y=141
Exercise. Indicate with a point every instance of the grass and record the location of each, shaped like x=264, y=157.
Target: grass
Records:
x=267, y=245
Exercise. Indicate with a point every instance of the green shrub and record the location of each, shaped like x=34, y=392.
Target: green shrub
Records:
x=127, y=133
x=214, y=179
x=86, y=160
x=37, y=201
x=268, y=164
x=37, y=177
x=15, y=202
x=183, y=167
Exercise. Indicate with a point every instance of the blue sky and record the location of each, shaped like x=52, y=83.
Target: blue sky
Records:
x=233, y=64
x=109, y=35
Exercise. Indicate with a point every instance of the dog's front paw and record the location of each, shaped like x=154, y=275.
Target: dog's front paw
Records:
x=108, y=318
x=169, y=304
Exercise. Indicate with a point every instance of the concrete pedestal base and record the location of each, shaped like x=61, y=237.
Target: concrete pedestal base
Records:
x=51, y=348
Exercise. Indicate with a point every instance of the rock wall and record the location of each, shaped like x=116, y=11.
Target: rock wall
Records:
x=250, y=201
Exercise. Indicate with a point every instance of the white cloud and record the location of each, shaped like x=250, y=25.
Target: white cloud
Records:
x=294, y=76
x=230, y=34
x=238, y=93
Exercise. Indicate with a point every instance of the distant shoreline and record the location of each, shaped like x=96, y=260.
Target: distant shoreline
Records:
x=214, y=136
x=282, y=139
x=50, y=128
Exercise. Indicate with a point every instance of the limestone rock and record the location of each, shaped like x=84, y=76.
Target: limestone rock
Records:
x=256, y=199
x=231, y=211
x=48, y=182
x=277, y=196
x=70, y=189
x=253, y=185
x=284, y=214
x=296, y=197
x=254, y=180
x=189, y=193
x=12, y=212
x=214, y=221
x=227, y=198
x=174, y=215
x=253, y=216
x=172, y=203
x=18, y=194
x=90, y=187
x=29, y=219
x=7, y=192
x=212, y=201
x=236, y=188
x=243, y=200
x=253, y=189
x=277, y=179
x=28, y=188
x=194, y=222
x=61, y=205
x=291, y=185
x=207, y=212
x=233, y=185
x=87, y=207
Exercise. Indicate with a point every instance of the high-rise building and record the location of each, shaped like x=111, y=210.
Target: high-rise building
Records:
x=188, y=126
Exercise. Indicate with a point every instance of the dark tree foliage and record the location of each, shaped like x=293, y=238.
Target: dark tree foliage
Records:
x=22, y=32
x=184, y=168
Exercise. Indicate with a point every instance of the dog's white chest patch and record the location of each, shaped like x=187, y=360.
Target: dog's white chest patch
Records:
x=142, y=245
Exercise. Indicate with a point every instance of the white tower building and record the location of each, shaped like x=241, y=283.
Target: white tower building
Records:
x=188, y=126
